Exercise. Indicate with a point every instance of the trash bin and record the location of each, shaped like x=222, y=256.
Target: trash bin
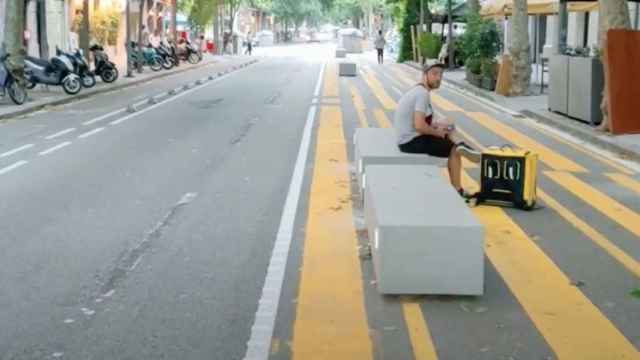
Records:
x=351, y=40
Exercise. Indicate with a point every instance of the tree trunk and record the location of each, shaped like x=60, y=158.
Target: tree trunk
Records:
x=174, y=20
x=519, y=49
x=42, y=26
x=216, y=28
x=140, y=33
x=84, y=28
x=13, y=37
x=613, y=14
x=473, y=6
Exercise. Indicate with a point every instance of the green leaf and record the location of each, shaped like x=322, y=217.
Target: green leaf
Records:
x=636, y=293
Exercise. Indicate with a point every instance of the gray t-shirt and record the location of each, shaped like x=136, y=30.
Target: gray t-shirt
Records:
x=380, y=42
x=416, y=99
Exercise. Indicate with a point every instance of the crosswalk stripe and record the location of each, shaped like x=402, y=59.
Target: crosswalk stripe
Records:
x=572, y=326
x=625, y=181
x=419, y=335
x=403, y=76
x=359, y=106
x=609, y=207
x=547, y=156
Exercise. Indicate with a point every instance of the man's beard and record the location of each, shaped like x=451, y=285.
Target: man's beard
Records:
x=433, y=85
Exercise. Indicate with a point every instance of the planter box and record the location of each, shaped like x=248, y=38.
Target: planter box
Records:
x=558, y=99
x=586, y=82
x=488, y=83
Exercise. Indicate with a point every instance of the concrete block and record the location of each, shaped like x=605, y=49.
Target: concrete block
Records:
x=424, y=238
x=375, y=146
x=341, y=53
x=347, y=69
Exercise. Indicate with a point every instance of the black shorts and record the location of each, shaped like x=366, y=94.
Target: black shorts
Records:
x=428, y=144
x=380, y=52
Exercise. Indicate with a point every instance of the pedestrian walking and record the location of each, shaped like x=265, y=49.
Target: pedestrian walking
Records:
x=249, y=44
x=379, y=44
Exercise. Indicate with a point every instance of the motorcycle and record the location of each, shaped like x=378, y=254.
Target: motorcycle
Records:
x=103, y=67
x=58, y=71
x=149, y=57
x=189, y=53
x=9, y=84
x=80, y=67
x=168, y=61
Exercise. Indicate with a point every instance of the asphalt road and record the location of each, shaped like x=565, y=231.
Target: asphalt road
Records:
x=223, y=215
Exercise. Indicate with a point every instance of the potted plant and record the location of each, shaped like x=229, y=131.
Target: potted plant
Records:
x=429, y=45
x=473, y=67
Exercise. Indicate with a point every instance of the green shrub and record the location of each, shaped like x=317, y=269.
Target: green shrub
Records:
x=474, y=65
x=488, y=68
x=429, y=45
x=481, y=39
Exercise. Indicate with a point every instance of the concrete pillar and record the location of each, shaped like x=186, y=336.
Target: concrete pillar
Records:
x=551, y=41
x=593, y=29
x=31, y=25
x=58, y=26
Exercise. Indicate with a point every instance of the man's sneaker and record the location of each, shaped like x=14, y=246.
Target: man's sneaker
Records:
x=464, y=194
x=468, y=152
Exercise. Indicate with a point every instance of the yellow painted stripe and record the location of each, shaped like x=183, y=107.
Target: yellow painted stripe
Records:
x=609, y=207
x=330, y=81
x=378, y=90
x=443, y=103
x=381, y=118
x=358, y=103
x=331, y=322
x=623, y=258
x=625, y=181
x=547, y=156
x=419, y=335
x=572, y=326
x=594, y=155
x=407, y=80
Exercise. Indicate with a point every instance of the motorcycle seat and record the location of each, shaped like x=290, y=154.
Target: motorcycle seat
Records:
x=38, y=61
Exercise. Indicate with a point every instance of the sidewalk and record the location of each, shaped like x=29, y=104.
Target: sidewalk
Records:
x=42, y=96
x=535, y=107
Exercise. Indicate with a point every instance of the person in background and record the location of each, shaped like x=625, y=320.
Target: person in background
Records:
x=249, y=43
x=417, y=133
x=379, y=44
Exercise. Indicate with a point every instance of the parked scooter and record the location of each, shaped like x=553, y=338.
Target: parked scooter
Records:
x=188, y=52
x=165, y=54
x=80, y=67
x=58, y=71
x=149, y=57
x=104, y=68
x=9, y=84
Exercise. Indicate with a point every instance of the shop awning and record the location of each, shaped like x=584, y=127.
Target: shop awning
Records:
x=535, y=7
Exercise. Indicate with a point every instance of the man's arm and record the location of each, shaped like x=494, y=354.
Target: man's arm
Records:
x=423, y=128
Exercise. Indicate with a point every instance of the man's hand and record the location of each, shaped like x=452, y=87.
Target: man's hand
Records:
x=440, y=132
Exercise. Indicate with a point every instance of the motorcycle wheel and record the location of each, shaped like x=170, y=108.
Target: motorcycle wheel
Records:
x=193, y=58
x=17, y=92
x=155, y=65
x=71, y=85
x=167, y=63
x=88, y=81
x=29, y=85
x=109, y=74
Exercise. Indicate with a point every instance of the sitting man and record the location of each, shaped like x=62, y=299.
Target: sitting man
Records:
x=418, y=134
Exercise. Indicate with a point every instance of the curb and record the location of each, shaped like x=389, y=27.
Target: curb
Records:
x=106, y=89
x=588, y=135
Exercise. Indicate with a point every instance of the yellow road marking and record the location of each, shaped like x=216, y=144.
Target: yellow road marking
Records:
x=378, y=90
x=547, y=156
x=590, y=153
x=572, y=326
x=381, y=118
x=330, y=81
x=625, y=181
x=627, y=261
x=443, y=103
x=419, y=335
x=404, y=77
x=615, y=211
x=359, y=105
x=331, y=321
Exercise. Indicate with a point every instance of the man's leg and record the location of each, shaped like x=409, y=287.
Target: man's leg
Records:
x=454, y=165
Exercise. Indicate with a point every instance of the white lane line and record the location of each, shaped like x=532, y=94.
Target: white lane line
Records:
x=65, y=131
x=55, y=148
x=13, y=167
x=100, y=118
x=89, y=133
x=168, y=100
x=259, y=343
x=16, y=150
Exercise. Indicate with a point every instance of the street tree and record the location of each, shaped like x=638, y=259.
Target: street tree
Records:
x=13, y=37
x=613, y=14
x=519, y=49
x=85, y=28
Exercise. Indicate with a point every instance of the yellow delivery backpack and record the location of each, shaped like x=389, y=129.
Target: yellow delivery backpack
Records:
x=508, y=176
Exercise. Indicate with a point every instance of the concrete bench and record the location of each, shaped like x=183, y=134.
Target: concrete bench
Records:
x=424, y=238
x=347, y=69
x=341, y=53
x=376, y=146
